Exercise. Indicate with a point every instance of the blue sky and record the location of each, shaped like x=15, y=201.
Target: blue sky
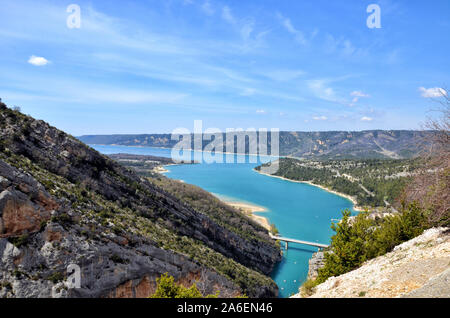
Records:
x=151, y=66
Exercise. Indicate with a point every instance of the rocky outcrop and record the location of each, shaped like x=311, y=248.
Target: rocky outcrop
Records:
x=31, y=270
x=24, y=203
x=62, y=204
x=417, y=268
x=316, y=262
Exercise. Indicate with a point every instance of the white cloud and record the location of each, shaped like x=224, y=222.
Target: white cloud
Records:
x=283, y=75
x=247, y=30
x=129, y=96
x=287, y=24
x=365, y=118
x=260, y=111
x=321, y=90
x=207, y=8
x=348, y=48
x=342, y=47
x=358, y=94
x=227, y=16
x=320, y=117
x=38, y=60
x=432, y=92
x=248, y=92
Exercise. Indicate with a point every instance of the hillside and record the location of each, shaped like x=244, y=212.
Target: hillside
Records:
x=375, y=144
x=62, y=203
x=370, y=182
x=417, y=268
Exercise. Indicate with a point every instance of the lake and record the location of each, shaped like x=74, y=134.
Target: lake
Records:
x=298, y=210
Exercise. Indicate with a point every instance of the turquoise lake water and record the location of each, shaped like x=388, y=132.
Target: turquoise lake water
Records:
x=298, y=210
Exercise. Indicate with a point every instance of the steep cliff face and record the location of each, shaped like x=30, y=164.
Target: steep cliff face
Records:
x=63, y=203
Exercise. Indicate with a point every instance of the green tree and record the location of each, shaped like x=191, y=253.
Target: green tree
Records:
x=167, y=288
x=364, y=238
x=348, y=245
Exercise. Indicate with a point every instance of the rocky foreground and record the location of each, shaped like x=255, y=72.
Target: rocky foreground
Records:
x=417, y=268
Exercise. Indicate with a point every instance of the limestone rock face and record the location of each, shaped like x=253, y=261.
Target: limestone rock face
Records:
x=316, y=262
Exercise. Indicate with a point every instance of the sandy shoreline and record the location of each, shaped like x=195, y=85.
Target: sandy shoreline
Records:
x=162, y=169
x=348, y=197
x=250, y=209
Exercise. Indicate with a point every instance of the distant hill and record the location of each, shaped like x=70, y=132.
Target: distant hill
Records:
x=369, y=144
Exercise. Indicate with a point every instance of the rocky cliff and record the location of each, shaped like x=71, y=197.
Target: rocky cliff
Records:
x=63, y=203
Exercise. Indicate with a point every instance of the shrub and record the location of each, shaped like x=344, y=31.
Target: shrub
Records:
x=167, y=288
x=19, y=241
x=307, y=289
x=6, y=285
x=273, y=229
x=56, y=277
x=117, y=259
x=62, y=219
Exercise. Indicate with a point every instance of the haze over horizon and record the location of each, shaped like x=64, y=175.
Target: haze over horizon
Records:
x=150, y=68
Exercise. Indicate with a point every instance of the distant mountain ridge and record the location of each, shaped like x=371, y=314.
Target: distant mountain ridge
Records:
x=369, y=144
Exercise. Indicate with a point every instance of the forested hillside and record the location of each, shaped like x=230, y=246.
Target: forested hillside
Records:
x=372, y=182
